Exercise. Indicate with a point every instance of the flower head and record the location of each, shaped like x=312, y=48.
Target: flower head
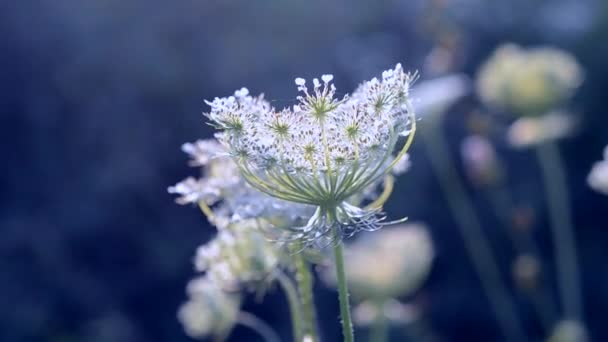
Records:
x=528, y=82
x=324, y=149
x=221, y=184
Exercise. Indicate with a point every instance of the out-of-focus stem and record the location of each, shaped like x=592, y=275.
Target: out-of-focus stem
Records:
x=523, y=243
x=294, y=305
x=254, y=323
x=476, y=243
x=304, y=280
x=563, y=233
x=380, y=329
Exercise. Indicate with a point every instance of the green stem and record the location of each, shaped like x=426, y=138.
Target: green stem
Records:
x=554, y=178
x=304, y=280
x=252, y=322
x=380, y=329
x=294, y=305
x=476, y=243
x=347, y=324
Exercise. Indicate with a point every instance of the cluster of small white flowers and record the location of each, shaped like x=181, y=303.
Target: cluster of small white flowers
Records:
x=390, y=263
x=324, y=149
x=239, y=255
x=221, y=181
x=598, y=177
x=210, y=310
x=318, y=133
x=528, y=81
x=219, y=176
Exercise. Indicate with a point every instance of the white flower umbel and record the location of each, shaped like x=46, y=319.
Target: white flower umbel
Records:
x=528, y=81
x=322, y=151
x=221, y=185
x=598, y=177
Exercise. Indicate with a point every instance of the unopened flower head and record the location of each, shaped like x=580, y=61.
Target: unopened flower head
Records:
x=390, y=263
x=209, y=311
x=526, y=271
x=598, y=177
x=324, y=149
x=480, y=160
x=239, y=255
x=528, y=81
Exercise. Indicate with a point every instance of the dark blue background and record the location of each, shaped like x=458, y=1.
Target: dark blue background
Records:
x=96, y=98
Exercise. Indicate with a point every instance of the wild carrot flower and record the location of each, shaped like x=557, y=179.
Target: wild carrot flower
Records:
x=528, y=81
x=323, y=150
x=221, y=185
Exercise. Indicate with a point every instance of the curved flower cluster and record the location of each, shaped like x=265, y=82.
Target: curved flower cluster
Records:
x=239, y=255
x=528, y=82
x=598, y=177
x=322, y=151
x=388, y=264
x=221, y=184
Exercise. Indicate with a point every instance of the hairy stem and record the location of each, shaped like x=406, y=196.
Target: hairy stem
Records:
x=252, y=322
x=476, y=243
x=347, y=324
x=304, y=280
x=294, y=305
x=556, y=191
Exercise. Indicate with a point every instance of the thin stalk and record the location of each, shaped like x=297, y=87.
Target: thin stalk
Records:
x=556, y=192
x=304, y=281
x=500, y=200
x=206, y=210
x=389, y=183
x=262, y=328
x=294, y=305
x=380, y=329
x=347, y=324
x=523, y=243
x=476, y=243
